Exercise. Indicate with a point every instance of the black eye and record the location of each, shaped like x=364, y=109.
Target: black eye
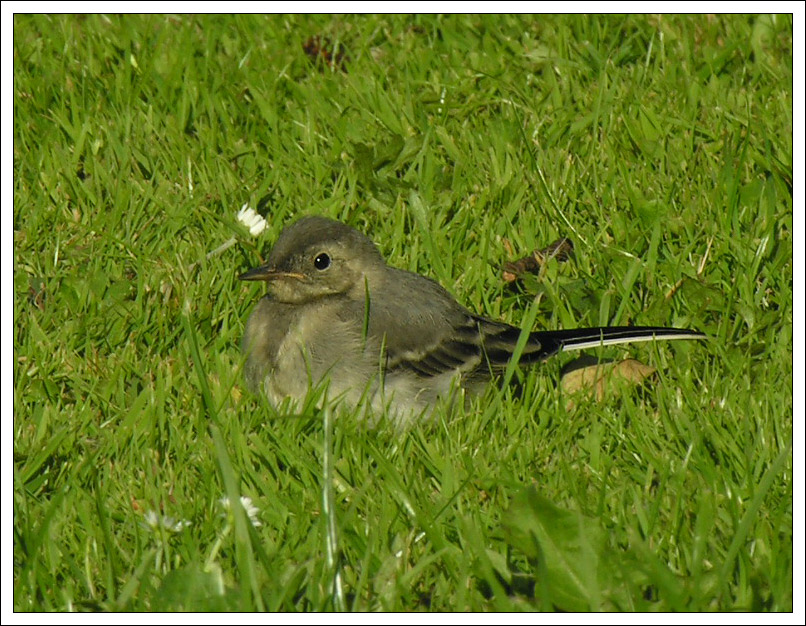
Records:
x=322, y=261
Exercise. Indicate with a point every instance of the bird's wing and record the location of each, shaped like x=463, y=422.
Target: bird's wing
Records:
x=457, y=349
x=431, y=334
x=422, y=328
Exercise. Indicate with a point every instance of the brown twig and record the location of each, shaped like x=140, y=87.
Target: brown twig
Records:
x=321, y=51
x=560, y=250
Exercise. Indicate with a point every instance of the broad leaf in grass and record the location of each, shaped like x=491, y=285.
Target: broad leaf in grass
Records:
x=576, y=569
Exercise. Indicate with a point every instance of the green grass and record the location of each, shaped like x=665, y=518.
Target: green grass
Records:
x=661, y=145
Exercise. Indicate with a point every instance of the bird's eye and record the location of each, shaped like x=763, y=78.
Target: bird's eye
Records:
x=322, y=261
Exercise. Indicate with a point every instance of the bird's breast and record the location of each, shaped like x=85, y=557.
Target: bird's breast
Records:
x=291, y=349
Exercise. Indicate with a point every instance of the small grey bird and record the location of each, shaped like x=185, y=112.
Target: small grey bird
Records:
x=337, y=316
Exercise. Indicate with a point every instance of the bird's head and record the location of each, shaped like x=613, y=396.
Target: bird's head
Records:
x=317, y=257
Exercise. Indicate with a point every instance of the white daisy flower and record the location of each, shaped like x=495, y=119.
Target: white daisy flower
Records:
x=155, y=521
x=252, y=220
x=250, y=509
x=249, y=218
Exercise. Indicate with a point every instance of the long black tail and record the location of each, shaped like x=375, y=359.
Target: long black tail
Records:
x=499, y=340
x=554, y=341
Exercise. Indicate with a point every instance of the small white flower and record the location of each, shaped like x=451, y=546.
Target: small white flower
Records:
x=155, y=521
x=252, y=220
x=249, y=218
x=250, y=509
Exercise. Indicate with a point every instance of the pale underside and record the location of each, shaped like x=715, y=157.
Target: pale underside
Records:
x=353, y=372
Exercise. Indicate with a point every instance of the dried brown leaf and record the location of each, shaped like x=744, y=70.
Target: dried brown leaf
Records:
x=597, y=379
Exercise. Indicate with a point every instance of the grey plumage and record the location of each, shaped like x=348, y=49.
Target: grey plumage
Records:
x=336, y=314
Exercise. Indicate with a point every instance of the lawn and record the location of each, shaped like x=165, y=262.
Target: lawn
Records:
x=660, y=145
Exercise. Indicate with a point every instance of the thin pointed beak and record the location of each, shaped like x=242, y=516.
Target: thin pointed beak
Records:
x=268, y=273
